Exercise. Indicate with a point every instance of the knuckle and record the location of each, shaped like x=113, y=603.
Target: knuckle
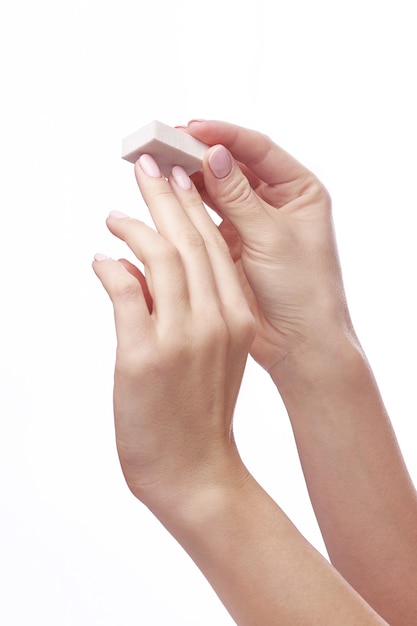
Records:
x=219, y=331
x=126, y=289
x=191, y=238
x=317, y=192
x=216, y=241
x=321, y=194
x=244, y=326
x=139, y=362
x=247, y=324
x=166, y=253
x=212, y=329
x=127, y=362
x=237, y=191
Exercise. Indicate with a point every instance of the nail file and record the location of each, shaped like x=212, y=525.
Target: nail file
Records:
x=168, y=146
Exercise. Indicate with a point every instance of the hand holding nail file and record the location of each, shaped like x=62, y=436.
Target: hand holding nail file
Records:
x=168, y=146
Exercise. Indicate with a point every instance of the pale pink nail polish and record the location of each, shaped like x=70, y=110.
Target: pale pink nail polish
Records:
x=118, y=215
x=100, y=257
x=220, y=162
x=149, y=166
x=181, y=178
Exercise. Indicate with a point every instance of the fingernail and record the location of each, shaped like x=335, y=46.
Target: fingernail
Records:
x=118, y=215
x=220, y=162
x=149, y=166
x=196, y=119
x=181, y=178
x=100, y=257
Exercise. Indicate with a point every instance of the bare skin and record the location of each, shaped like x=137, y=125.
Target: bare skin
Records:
x=184, y=329
x=278, y=223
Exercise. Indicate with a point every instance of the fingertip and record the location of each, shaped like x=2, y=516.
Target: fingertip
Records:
x=149, y=166
x=99, y=256
x=181, y=178
x=220, y=161
x=118, y=215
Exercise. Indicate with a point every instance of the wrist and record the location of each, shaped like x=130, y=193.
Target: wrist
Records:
x=198, y=493
x=321, y=366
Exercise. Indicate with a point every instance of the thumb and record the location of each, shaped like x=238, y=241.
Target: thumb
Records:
x=233, y=195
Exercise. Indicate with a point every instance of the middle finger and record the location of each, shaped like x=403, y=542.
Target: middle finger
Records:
x=173, y=223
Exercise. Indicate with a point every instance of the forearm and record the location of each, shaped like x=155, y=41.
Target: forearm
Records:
x=263, y=570
x=359, y=486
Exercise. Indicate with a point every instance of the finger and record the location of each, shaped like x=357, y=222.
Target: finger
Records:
x=174, y=225
x=165, y=208
x=164, y=269
x=235, y=199
x=132, y=269
x=129, y=303
x=258, y=152
x=198, y=180
x=231, y=237
x=225, y=275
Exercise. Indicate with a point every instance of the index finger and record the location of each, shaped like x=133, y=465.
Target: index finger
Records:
x=257, y=151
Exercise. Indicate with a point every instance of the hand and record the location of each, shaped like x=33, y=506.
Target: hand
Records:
x=278, y=224
x=184, y=330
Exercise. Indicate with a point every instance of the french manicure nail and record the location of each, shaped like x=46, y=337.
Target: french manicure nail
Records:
x=181, y=178
x=149, y=166
x=196, y=119
x=118, y=215
x=220, y=162
x=100, y=257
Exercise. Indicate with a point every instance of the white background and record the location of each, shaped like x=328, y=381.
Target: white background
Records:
x=335, y=84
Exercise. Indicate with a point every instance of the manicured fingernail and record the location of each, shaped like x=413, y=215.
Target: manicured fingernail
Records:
x=100, y=257
x=181, y=178
x=220, y=162
x=149, y=166
x=196, y=119
x=118, y=215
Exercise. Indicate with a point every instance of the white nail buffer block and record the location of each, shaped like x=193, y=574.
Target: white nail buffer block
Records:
x=168, y=146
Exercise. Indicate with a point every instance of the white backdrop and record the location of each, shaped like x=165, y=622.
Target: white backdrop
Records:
x=335, y=85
